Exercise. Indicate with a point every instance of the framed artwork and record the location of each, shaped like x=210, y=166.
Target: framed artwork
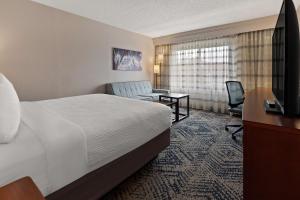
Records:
x=126, y=60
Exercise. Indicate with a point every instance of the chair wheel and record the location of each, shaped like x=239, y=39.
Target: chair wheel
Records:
x=226, y=129
x=233, y=137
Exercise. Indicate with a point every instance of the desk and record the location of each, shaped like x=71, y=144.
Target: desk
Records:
x=271, y=151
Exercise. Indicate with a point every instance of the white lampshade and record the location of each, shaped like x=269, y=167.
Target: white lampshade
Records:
x=156, y=69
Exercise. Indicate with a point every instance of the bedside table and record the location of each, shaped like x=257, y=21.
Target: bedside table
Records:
x=22, y=189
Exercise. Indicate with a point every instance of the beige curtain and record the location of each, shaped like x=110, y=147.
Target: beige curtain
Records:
x=253, y=58
x=201, y=68
x=162, y=57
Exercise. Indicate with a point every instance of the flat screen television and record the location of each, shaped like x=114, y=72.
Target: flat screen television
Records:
x=285, y=60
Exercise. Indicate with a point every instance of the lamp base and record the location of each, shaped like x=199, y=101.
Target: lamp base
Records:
x=156, y=81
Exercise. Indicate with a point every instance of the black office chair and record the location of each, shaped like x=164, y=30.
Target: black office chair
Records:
x=236, y=100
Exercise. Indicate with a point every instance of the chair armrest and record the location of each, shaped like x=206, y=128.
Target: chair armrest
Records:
x=160, y=91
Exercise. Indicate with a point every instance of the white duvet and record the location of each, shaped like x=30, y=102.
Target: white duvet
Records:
x=70, y=137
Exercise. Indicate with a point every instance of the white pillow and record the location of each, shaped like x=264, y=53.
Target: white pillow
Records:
x=10, y=111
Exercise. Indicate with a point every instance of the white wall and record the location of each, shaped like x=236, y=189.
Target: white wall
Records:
x=48, y=53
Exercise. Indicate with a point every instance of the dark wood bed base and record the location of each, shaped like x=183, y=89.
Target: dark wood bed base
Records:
x=97, y=183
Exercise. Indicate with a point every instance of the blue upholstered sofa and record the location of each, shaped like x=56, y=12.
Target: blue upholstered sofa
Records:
x=135, y=89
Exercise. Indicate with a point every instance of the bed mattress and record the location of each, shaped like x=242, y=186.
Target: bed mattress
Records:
x=25, y=156
x=113, y=125
x=61, y=140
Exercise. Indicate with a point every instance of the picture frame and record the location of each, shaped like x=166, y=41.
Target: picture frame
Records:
x=126, y=60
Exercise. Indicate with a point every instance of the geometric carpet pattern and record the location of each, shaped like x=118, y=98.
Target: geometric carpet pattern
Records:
x=202, y=162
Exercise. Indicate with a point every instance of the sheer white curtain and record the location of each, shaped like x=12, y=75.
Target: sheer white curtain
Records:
x=200, y=69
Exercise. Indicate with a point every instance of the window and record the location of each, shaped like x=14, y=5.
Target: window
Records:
x=212, y=55
x=184, y=55
x=200, y=68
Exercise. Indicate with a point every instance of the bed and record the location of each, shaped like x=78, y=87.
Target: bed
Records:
x=81, y=147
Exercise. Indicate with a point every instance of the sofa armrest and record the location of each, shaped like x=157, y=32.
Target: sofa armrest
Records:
x=160, y=91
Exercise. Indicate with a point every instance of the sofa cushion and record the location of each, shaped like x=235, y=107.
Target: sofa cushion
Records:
x=142, y=98
x=131, y=89
x=154, y=96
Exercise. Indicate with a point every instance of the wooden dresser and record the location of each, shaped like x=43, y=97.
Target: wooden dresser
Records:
x=271, y=151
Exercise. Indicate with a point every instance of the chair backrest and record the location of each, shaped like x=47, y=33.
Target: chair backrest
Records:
x=235, y=93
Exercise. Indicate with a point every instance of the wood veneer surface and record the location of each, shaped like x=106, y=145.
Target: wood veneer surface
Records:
x=254, y=111
x=22, y=189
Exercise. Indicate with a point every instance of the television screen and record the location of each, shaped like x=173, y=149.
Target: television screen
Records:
x=278, y=58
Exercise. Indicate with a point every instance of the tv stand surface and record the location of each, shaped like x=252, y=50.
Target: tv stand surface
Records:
x=272, y=108
x=271, y=151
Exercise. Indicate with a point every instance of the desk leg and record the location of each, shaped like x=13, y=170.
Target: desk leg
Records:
x=177, y=111
x=188, y=105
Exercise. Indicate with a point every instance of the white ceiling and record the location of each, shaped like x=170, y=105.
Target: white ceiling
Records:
x=163, y=17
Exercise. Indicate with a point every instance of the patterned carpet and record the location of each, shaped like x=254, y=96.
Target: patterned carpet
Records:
x=202, y=162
